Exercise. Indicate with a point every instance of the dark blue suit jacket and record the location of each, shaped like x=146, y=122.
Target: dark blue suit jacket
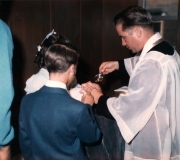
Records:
x=52, y=126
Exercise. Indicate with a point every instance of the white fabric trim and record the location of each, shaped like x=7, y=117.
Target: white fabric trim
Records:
x=56, y=84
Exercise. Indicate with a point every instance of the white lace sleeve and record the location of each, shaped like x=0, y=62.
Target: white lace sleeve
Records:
x=36, y=81
x=134, y=109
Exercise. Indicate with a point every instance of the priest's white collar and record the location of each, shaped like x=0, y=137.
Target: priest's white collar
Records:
x=56, y=84
x=149, y=44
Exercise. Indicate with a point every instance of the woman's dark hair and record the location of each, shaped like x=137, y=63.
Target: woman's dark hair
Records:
x=54, y=38
x=59, y=57
x=134, y=16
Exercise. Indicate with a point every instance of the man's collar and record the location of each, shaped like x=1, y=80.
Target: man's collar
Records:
x=56, y=84
x=150, y=43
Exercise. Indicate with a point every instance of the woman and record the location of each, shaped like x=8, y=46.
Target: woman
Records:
x=36, y=81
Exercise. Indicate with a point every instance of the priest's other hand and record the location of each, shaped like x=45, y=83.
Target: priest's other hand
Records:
x=94, y=89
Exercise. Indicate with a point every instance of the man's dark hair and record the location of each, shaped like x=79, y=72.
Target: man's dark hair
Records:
x=58, y=58
x=134, y=16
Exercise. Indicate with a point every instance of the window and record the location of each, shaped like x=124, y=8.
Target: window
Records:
x=165, y=15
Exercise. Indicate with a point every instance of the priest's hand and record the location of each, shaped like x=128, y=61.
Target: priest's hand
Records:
x=108, y=67
x=96, y=95
x=88, y=86
x=94, y=89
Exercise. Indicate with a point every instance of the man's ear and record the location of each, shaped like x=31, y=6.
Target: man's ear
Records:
x=138, y=31
x=72, y=69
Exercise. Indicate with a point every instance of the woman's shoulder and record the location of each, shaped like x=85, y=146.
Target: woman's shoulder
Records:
x=36, y=81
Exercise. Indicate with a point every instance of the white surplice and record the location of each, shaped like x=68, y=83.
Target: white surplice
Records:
x=148, y=116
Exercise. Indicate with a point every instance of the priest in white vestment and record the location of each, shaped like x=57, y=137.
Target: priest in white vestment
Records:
x=148, y=114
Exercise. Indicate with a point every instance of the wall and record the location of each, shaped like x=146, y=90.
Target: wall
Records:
x=88, y=24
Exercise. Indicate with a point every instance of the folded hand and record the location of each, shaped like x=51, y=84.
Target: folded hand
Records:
x=94, y=89
x=87, y=99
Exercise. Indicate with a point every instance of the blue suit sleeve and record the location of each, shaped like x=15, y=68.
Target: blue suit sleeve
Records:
x=24, y=141
x=88, y=130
